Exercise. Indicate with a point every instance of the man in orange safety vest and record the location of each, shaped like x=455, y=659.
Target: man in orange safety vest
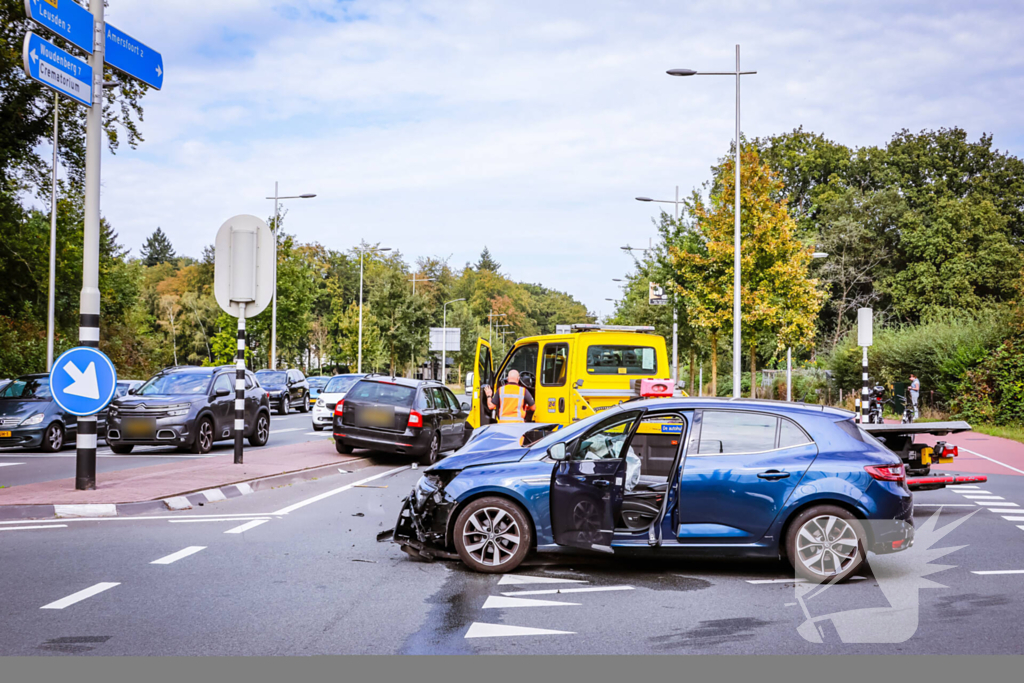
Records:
x=513, y=400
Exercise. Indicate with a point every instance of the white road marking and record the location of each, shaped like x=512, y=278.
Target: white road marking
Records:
x=328, y=494
x=973, y=496
x=496, y=602
x=226, y=515
x=174, y=557
x=479, y=630
x=992, y=503
x=943, y=505
x=965, y=486
x=149, y=454
x=972, y=491
x=290, y=429
x=1014, y=519
x=994, y=572
x=86, y=510
x=517, y=579
x=1020, y=526
x=10, y=464
x=1003, y=464
x=80, y=595
x=762, y=581
x=558, y=591
x=245, y=527
x=39, y=526
x=214, y=519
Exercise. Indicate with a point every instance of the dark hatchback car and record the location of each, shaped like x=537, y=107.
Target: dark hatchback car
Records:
x=29, y=417
x=188, y=407
x=287, y=388
x=404, y=416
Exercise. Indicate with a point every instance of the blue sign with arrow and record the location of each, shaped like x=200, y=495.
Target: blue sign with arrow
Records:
x=83, y=381
x=66, y=18
x=136, y=59
x=48, y=64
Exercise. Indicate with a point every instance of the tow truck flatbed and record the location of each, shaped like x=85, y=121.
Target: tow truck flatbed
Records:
x=899, y=438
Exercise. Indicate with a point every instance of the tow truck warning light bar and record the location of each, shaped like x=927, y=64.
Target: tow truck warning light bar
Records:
x=592, y=327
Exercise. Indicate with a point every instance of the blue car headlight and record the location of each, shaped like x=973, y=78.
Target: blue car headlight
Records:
x=425, y=487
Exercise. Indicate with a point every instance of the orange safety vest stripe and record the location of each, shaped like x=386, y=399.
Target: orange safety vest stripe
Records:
x=511, y=400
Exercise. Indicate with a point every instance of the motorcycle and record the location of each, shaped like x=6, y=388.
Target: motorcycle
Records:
x=876, y=403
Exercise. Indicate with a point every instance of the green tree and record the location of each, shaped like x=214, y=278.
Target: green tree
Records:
x=487, y=262
x=157, y=249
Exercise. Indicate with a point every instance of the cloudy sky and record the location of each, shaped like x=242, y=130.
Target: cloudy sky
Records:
x=440, y=126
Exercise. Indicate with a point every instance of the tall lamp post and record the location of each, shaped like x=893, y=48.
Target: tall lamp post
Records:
x=490, y=323
x=359, y=352
x=444, y=340
x=273, y=315
x=736, y=342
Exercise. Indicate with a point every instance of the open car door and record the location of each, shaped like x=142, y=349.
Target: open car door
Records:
x=483, y=375
x=588, y=482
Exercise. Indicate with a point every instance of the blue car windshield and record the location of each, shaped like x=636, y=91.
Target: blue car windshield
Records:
x=36, y=388
x=177, y=383
x=566, y=434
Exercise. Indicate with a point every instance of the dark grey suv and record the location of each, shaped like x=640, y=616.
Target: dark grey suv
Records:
x=188, y=407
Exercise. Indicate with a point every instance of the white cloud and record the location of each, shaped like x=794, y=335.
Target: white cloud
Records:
x=439, y=127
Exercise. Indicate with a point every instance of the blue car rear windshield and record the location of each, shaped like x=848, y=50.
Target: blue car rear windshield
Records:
x=382, y=392
x=177, y=383
x=37, y=388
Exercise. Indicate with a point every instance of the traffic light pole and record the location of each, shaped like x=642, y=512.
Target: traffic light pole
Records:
x=89, y=319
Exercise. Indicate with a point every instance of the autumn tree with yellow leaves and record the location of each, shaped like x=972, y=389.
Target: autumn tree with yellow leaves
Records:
x=780, y=302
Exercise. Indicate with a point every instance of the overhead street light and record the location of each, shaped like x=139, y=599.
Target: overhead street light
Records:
x=675, y=202
x=359, y=353
x=736, y=341
x=273, y=315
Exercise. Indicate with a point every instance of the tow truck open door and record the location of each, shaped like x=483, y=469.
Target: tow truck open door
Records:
x=483, y=375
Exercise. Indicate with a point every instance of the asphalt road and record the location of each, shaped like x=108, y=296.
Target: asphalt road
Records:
x=22, y=466
x=297, y=570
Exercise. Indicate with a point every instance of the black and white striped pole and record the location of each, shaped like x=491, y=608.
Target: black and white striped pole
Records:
x=240, y=386
x=243, y=285
x=864, y=339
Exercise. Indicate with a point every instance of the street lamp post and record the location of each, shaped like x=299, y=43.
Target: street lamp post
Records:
x=359, y=351
x=273, y=315
x=415, y=279
x=444, y=339
x=736, y=342
x=490, y=323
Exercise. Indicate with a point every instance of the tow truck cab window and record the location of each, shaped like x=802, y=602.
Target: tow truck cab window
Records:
x=523, y=359
x=621, y=360
x=555, y=364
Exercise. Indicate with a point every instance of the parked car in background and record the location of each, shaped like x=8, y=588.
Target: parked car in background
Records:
x=127, y=386
x=672, y=478
x=188, y=407
x=316, y=385
x=421, y=418
x=333, y=391
x=29, y=417
x=287, y=388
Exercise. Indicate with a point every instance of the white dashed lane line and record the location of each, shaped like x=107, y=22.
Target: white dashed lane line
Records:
x=80, y=595
x=41, y=526
x=995, y=572
x=174, y=557
x=10, y=464
x=245, y=527
x=558, y=591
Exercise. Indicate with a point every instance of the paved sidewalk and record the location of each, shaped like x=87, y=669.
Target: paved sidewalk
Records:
x=164, y=481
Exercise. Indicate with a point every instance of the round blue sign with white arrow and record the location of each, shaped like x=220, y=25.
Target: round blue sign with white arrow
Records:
x=83, y=381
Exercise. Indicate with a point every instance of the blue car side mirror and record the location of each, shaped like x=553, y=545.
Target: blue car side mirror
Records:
x=557, y=451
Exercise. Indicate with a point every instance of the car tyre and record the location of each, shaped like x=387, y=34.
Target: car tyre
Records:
x=304, y=405
x=285, y=407
x=342, y=447
x=260, y=431
x=492, y=535
x=826, y=543
x=53, y=438
x=121, y=449
x=203, y=442
x=433, y=453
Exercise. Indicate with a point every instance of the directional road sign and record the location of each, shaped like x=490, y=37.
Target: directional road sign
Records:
x=140, y=61
x=57, y=69
x=83, y=381
x=66, y=18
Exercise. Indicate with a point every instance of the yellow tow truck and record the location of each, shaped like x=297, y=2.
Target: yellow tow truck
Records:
x=574, y=373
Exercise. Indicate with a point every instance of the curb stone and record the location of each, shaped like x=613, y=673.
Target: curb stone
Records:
x=184, y=501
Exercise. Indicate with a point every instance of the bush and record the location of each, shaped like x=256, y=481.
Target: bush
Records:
x=941, y=352
x=994, y=391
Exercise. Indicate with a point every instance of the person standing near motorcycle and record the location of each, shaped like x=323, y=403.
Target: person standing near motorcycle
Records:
x=915, y=393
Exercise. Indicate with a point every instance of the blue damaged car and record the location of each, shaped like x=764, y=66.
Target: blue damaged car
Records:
x=679, y=476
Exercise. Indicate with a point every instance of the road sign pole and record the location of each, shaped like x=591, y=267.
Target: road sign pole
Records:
x=89, y=320
x=240, y=386
x=53, y=240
